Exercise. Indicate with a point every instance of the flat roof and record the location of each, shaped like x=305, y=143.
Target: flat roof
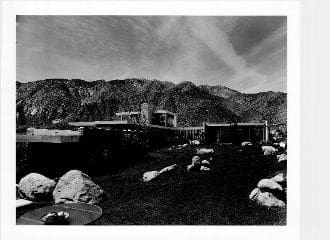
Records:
x=110, y=122
x=93, y=124
x=81, y=124
x=164, y=111
x=127, y=113
x=233, y=124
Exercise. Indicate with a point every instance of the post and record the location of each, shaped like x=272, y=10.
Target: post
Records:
x=165, y=119
x=266, y=131
x=174, y=120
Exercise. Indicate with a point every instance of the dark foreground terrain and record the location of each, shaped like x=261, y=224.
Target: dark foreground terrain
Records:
x=219, y=196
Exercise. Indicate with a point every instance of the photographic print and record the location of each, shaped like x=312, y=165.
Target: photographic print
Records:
x=151, y=120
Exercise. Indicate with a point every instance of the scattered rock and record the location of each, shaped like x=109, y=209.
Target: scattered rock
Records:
x=202, y=151
x=193, y=168
x=195, y=160
x=168, y=169
x=269, y=150
x=76, y=186
x=36, y=187
x=206, y=162
x=190, y=167
x=254, y=194
x=279, y=178
x=282, y=157
x=265, y=198
x=269, y=184
x=203, y=168
x=195, y=142
x=182, y=146
x=245, y=144
x=269, y=200
x=148, y=176
x=283, y=145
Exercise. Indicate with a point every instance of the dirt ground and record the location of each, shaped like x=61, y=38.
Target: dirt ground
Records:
x=216, y=197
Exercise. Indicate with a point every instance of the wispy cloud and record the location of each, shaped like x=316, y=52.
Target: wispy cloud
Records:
x=247, y=54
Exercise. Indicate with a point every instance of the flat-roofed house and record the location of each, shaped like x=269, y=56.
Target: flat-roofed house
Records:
x=235, y=132
x=149, y=116
x=164, y=118
x=130, y=117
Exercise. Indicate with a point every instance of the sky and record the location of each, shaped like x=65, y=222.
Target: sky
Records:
x=245, y=53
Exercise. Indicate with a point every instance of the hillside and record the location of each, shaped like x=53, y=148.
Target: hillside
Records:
x=41, y=102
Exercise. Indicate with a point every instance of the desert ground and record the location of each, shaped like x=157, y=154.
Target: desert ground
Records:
x=216, y=197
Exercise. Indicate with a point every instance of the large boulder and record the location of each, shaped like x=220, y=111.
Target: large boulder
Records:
x=265, y=198
x=269, y=200
x=279, y=178
x=269, y=184
x=148, y=176
x=36, y=187
x=254, y=194
x=76, y=186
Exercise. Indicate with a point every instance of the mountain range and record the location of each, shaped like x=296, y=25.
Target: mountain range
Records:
x=43, y=102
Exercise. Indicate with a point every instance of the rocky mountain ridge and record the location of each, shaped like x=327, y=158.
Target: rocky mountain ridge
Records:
x=43, y=102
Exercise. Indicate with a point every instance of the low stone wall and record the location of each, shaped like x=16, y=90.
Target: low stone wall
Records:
x=98, y=151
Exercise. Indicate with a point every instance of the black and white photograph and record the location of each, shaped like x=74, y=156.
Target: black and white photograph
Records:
x=151, y=120
x=147, y=120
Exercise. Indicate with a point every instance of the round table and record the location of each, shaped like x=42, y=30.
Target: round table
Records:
x=80, y=214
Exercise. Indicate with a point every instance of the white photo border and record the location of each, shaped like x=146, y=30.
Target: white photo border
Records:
x=9, y=229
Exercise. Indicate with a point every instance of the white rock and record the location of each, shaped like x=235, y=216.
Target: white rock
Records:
x=205, y=162
x=203, y=168
x=269, y=150
x=279, y=178
x=244, y=144
x=254, y=194
x=148, y=176
x=195, y=160
x=167, y=169
x=282, y=157
x=202, y=151
x=190, y=167
x=36, y=187
x=283, y=145
x=269, y=184
x=182, y=146
x=269, y=200
x=195, y=142
x=76, y=186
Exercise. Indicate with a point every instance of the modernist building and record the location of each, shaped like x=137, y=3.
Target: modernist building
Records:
x=236, y=132
x=149, y=116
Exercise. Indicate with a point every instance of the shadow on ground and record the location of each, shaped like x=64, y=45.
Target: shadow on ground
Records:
x=217, y=197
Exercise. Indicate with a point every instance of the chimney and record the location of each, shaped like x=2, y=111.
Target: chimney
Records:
x=146, y=114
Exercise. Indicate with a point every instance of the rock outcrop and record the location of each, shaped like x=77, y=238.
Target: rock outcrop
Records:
x=36, y=187
x=76, y=186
